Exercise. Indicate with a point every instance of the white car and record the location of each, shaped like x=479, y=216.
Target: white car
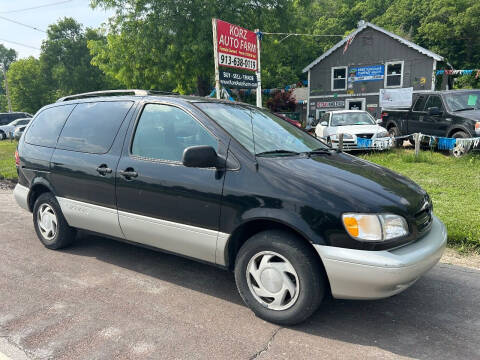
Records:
x=360, y=130
x=6, y=131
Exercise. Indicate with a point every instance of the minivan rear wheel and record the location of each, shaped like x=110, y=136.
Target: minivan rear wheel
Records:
x=279, y=277
x=50, y=224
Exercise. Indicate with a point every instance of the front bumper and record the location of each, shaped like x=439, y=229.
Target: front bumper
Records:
x=375, y=144
x=361, y=274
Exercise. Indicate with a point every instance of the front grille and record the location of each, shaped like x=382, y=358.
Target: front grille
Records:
x=423, y=219
x=364, y=136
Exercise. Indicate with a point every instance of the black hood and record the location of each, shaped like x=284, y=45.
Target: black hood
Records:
x=469, y=114
x=358, y=184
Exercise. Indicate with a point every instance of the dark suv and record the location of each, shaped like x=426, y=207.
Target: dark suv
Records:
x=228, y=184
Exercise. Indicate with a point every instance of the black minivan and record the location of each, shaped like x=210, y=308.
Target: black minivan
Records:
x=228, y=184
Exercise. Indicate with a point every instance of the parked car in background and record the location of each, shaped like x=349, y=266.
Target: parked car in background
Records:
x=8, y=122
x=354, y=125
x=17, y=133
x=452, y=113
x=291, y=121
x=228, y=184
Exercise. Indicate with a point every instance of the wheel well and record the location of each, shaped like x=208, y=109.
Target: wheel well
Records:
x=391, y=125
x=454, y=131
x=35, y=192
x=247, y=230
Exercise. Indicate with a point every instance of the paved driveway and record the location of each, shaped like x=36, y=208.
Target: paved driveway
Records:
x=102, y=299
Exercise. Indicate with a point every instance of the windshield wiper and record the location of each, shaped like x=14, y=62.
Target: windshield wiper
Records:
x=318, y=151
x=465, y=109
x=278, y=151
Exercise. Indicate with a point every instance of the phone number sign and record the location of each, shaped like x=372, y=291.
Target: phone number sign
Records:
x=237, y=47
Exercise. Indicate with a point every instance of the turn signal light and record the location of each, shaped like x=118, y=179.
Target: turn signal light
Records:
x=17, y=159
x=351, y=225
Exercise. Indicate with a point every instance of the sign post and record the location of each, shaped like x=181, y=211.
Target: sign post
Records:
x=259, y=75
x=238, y=48
x=215, y=57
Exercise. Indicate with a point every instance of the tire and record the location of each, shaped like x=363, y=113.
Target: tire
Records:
x=280, y=252
x=50, y=224
x=460, y=135
x=394, y=132
x=3, y=136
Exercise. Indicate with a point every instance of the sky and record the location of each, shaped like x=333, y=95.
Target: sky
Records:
x=40, y=18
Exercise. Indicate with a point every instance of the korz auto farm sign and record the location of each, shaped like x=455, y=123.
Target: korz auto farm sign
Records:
x=236, y=46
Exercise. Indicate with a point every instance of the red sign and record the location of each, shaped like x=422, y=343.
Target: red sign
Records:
x=237, y=47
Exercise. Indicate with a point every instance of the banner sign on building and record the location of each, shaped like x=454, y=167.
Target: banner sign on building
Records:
x=366, y=73
x=236, y=46
x=330, y=104
x=396, y=98
x=239, y=81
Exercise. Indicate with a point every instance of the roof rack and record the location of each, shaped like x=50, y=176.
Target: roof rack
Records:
x=135, y=92
x=104, y=93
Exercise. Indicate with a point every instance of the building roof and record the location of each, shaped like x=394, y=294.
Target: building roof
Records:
x=362, y=25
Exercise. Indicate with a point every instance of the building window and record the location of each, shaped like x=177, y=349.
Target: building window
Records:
x=394, y=76
x=339, y=78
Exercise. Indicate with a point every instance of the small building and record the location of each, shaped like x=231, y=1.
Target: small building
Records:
x=351, y=74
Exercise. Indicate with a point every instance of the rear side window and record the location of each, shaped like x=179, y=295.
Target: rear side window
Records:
x=47, y=125
x=92, y=127
x=420, y=103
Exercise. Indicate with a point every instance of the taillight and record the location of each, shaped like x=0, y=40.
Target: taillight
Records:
x=17, y=159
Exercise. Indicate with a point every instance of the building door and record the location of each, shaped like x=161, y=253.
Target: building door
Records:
x=355, y=104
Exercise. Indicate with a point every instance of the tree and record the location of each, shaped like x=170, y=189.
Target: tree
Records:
x=7, y=56
x=167, y=45
x=29, y=90
x=66, y=61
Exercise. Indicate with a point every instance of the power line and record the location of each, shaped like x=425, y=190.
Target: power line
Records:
x=36, y=7
x=17, y=43
x=22, y=24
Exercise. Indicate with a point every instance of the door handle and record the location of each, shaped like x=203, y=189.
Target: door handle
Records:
x=104, y=169
x=129, y=173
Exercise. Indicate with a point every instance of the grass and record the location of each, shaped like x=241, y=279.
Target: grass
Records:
x=452, y=183
x=7, y=160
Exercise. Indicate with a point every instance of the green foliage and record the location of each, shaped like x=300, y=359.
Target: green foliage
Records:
x=7, y=56
x=453, y=185
x=7, y=159
x=28, y=88
x=66, y=61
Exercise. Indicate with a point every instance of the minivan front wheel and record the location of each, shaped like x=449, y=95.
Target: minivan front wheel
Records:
x=279, y=277
x=50, y=224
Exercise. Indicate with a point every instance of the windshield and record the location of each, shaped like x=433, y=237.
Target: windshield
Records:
x=463, y=101
x=259, y=131
x=352, y=118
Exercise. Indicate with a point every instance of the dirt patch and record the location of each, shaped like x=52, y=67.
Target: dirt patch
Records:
x=453, y=257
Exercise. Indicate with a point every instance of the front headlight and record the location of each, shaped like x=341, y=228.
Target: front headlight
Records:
x=375, y=227
x=382, y=134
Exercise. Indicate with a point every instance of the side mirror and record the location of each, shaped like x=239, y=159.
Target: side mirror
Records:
x=202, y=156
x=379, y=121
x=434, y=111
x=324, y=123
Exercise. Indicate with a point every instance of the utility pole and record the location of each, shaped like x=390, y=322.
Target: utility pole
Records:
x=6, y=88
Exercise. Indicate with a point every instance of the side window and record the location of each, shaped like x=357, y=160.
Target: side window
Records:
x=420, y=103
x=339, y=78
x=325, y=117
x=394, y=76
x=92, y=127
x=23, y=122
x=434, y=101
x=164, y=131
x=47, y=125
